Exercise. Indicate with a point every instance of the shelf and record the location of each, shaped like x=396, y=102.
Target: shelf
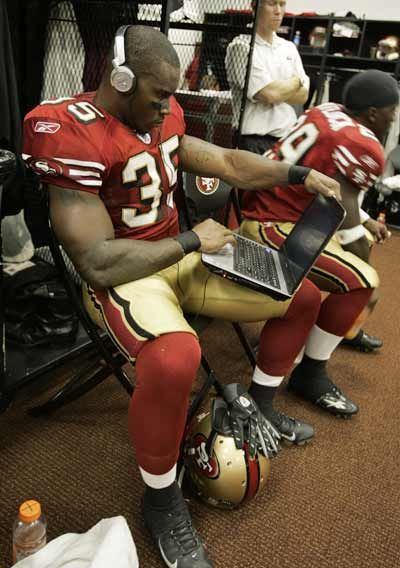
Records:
x=26, y=363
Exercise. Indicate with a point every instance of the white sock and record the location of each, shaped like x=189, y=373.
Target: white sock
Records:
x=265, y=380
x=300, y=356
x=321, y=344
x=159, y=481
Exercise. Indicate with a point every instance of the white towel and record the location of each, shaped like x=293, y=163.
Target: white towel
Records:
x=108, y=544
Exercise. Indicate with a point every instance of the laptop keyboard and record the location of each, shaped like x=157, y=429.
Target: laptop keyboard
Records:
x=255, y=261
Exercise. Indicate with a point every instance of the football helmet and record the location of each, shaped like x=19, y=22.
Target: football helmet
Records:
x=388, y=48
x=219, y=473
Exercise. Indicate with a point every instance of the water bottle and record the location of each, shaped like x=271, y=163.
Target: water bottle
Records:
x=297, y=39
x=29, y=531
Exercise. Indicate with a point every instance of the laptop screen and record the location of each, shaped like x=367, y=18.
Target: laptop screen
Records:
x=311, y=234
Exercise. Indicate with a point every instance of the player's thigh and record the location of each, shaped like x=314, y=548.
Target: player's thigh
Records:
x=145, y=308
x=337, y=270
x=211, y=295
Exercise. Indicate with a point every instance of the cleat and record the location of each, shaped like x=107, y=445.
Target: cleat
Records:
x=291, y=430
x=363, y=342
x=176, y=538
x=333, y=400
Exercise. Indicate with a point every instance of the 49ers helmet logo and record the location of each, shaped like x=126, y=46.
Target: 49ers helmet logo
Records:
x=207, y=464
x=207, y=185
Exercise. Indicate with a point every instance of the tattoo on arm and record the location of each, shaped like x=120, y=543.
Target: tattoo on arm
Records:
x=199, y=157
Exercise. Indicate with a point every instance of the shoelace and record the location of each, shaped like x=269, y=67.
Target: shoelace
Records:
x=280, y=420
x=185, y=536
x=337, y=391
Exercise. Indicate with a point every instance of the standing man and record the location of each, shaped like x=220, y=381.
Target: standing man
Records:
x=111, y=162
x=277, y=80
x=345, y=143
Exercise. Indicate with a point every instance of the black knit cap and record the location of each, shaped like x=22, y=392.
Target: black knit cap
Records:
x=371, y=88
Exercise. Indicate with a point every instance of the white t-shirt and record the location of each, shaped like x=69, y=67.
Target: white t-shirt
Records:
x=271, y=62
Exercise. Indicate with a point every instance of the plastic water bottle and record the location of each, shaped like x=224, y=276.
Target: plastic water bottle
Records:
x=29, y=531
x=297, y=39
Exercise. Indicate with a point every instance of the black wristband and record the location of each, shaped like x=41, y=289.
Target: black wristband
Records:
x=297, y=174
x=189, y=241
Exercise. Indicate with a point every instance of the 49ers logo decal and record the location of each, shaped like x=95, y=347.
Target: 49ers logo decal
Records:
x=207, y=464
x=207, y=185
x=43, y=166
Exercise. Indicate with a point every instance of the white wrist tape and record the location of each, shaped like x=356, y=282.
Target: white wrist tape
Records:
x=346, y=236
x=364, y=216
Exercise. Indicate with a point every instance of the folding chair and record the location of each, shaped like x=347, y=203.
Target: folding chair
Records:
x=211, y=197
x=110, y=359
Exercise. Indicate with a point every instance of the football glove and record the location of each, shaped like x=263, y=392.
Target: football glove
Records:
x=248, y=424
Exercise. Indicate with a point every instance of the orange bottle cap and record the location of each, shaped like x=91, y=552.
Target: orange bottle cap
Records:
x=30, y=511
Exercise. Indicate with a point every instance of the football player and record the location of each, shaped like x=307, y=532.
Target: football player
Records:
x=344, y=142
x=110, y=161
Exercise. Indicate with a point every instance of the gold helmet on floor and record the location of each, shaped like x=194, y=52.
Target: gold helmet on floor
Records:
x=220, y=473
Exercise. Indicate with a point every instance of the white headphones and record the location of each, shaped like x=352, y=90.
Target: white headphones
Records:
x=122, y=78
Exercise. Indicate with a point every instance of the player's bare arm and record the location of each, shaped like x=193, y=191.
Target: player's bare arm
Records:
x=245, y=169
x=351, y=228
x=84, y=228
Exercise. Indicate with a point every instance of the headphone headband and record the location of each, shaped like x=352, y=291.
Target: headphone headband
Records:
x=119, y=46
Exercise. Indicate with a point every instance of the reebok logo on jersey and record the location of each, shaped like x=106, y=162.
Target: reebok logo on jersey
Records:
x=47, y=127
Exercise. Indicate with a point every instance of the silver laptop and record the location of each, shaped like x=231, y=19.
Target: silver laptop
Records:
x=278, y=273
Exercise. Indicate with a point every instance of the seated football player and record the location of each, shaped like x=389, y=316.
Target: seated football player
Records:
x=110, y=161
x=344, y=142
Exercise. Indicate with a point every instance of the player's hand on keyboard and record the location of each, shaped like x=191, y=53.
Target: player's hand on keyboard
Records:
x=316, y=182
x=213, y=235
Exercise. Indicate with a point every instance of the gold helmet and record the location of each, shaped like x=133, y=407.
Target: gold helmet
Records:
x=219, y=473
x=388, y=48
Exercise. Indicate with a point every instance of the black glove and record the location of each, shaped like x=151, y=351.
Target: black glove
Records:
x=248, y=424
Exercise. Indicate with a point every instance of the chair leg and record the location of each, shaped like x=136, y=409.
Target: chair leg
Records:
x=211, y=381
x=246, y=344
x=5, y=400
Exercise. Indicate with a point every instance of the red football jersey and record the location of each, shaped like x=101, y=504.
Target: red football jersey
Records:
x=73, y=144
x=328, y=140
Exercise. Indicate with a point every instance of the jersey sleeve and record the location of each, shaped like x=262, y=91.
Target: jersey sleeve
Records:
x=63, y=154
x=359, y=157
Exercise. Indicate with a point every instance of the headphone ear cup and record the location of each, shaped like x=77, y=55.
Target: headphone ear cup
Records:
x=123, y=79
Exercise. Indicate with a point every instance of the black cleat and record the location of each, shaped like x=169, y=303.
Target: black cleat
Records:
x=363, y=342
x=337, y=403
x=176, y=538
x=333, y=400
x=291, y=430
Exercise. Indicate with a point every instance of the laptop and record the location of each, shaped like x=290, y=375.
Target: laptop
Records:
x=278, y=273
